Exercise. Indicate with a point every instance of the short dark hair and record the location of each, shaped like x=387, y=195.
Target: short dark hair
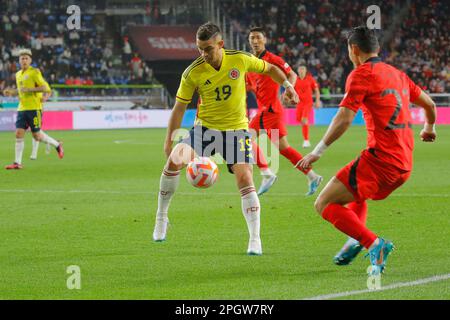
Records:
x=257, y=29
x=207, y=31
x=365, y=38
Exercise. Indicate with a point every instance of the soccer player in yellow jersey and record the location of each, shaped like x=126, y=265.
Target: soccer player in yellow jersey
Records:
x=30, y=88
x=221, y=125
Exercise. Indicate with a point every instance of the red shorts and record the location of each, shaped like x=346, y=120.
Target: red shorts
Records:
x=303, y=111
x=367, y=177
x=269, y=121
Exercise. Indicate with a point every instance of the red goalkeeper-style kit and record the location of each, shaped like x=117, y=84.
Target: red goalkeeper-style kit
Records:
x=384, y=94
x=270, y=111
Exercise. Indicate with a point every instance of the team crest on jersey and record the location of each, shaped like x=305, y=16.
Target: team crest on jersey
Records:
x=234, y=74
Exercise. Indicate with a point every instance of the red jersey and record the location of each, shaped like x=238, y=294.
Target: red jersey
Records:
x=384, y=94
x=265, y=88
x=304, y=88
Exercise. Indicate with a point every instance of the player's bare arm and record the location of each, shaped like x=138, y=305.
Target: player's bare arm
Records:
x=341, y=122
x=279, y=77
x=292, y=77
x=317, y=93
x=10, y=92
x=43, y=89
x=174, y=123
x=428, y=133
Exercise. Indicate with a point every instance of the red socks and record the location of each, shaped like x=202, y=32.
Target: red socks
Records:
x=259, y=155
x=294, y=157
x=305, y=131
x=360, y=208
x=347, y=221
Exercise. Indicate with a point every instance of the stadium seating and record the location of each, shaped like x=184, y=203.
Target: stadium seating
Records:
x=312, y=32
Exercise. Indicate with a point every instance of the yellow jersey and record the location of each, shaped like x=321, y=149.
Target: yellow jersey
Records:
x=222, y=92
x=30, y=78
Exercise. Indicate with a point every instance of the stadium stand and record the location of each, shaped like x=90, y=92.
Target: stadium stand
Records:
x=301, y=31
x=311, y=32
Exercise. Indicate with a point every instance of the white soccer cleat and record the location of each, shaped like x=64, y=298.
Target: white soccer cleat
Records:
x=314, y=185
x=254, y=247
x=266, y=184
x=306, y=144
x=159, y=233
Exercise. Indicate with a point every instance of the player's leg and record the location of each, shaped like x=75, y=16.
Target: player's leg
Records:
x=39, y=135
x=181, y=155
x=305, y=132
x=357, y=181
x=35, y=149
x=251, y=208
x=19, y=146
x=294, y=157
x=238, y=155
x=21, y=126
x=269, y=178
x=352, y=247
x=330, y=204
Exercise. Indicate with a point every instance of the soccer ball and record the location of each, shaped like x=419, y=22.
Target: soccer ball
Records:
x=202, y=172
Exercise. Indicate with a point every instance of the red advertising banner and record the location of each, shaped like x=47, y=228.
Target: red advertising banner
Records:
x=165, y=42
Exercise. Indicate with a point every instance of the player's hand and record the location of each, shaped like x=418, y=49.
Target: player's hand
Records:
x=308, y=160
x=428, y=133
x=317, y=105
x=427, y=136
x=8, y=92
x=24, y=90
x=290, y=97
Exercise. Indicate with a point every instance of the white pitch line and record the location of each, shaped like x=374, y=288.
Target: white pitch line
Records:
x=419, y=282
x=424, y=195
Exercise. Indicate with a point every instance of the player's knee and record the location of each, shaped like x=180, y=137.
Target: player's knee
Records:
x=244, y=178
x=180, y=156
x=37, y=136
x=320, y=204
x=283, y=145
x=20, y=134
x=174, y=165
x=304, y=121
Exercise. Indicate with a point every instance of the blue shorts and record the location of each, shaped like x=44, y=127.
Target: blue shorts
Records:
x=235, y=146
x=29, y=119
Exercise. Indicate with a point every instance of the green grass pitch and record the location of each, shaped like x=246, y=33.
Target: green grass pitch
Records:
x=95, y=209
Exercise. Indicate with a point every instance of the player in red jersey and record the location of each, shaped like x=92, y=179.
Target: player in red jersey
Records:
x=270, y=114
x=384, y=94
x=305, y=86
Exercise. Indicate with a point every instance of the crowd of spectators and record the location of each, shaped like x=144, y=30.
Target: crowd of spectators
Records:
x=87, y=56
x=421, y=46
x=313, y=33
x=301, y=31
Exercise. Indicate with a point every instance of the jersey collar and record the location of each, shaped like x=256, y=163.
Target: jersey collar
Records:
x=262, y=54
x=221, y=65
x=373, y=60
